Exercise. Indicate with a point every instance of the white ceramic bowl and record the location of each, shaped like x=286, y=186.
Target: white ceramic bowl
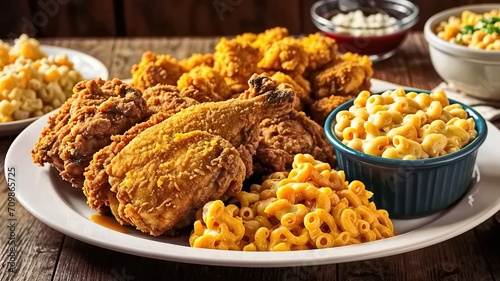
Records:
x=475, y=72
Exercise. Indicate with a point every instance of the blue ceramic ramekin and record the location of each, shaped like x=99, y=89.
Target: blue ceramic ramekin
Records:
x=410, y=188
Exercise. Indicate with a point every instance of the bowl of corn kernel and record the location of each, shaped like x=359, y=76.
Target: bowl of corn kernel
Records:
x=464, y=46
x=415, y=150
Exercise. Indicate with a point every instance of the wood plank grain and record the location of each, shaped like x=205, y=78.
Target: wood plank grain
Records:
x=5, y=143
x=411, y=66
x=421, y=71
x=456, y=259
x=50, y=18
x=394, y=69
x=200, y=18
x=74, y=17
x=390, y=268
x=37, y=245
x=307, y=25
x=487, y=234
x=81, y=261
x=15, y=19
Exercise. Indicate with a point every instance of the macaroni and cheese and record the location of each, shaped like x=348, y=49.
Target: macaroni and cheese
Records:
x=479, y=31
x=32, y=83
x=310, y=207
x=404, y=125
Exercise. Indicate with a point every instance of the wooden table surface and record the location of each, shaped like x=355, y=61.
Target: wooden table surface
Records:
x=45, y=254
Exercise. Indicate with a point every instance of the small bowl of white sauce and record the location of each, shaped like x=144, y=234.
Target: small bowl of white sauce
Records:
x=373, y=30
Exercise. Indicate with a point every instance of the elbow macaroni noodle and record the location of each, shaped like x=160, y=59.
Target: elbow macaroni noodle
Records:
x=311, y=207
x=405, y=126
x=32, y=84
x=478, y=31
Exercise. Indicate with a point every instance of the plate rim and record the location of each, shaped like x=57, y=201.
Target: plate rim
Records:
x=85, y=55
x=154, y=248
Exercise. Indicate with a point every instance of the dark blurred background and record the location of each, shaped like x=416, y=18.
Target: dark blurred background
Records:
x=83, y=18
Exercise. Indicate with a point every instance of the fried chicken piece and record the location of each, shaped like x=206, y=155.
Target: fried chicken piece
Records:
x=167, y=99
x=208, y=82
x=262, y=41
x=320, y=50
x=320, y=109
x=236, y=120
x=156, y=69
x=285, y=136
x=85, y=123
x=197, y=59
x=247, y=37
x=265, y=39
x=301, y=86
x=162, y=101
x=96, y=186
x=179, y=174
x=349, y=75
x=285, y=55
x=243, y=135
x=204, y=147
x=236, y=60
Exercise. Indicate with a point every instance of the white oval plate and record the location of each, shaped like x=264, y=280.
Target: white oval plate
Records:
x=41, y=191
x=87, y=65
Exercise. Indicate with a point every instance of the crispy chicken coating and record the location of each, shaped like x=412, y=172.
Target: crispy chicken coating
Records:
x=301, y=86
x=234, y=120
x=320, y=109
x=201, y=153
x=162, y=102
x=348, y=76
x=167, y=99
x=85, y=123
x=236, y=60
x=156, y=69
x=285, y=55
x=247, y=37
x=172, y=175
x=320, y=50
x=208, y=82
x=283, y=136
x=197, y=59
x=268, y=37
x=96, y=186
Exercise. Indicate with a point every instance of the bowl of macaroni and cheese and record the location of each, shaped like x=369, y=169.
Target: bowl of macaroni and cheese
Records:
x=415, y=150
x=375, y=29
x=464, y=46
